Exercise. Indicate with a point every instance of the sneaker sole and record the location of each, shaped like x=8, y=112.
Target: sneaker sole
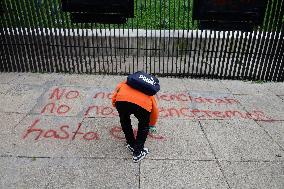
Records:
x=130, y=148
x=145, y=152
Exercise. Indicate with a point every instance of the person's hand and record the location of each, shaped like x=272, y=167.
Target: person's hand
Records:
x=152, y=129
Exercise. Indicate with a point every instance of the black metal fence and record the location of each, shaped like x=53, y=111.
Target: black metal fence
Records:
x=162, y=39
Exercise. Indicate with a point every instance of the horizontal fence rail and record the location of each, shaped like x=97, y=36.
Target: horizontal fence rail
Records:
x=162, y=39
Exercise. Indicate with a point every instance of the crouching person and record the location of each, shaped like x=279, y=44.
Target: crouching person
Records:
x=127, y=101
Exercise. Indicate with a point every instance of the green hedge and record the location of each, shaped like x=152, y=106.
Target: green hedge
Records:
x=149, y=14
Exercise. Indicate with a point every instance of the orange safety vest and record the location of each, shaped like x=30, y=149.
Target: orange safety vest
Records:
x=124, y=92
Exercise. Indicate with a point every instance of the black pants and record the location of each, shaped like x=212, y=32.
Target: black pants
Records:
x=125, y=109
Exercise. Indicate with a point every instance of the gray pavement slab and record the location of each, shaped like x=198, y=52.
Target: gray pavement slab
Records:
x=111, y=82
x=68, y=173
x=197, y=85
x=241, y=140
x=8, y=122
x=4, y=88
x=270, y=105
x=275, y=130
x=45, y=136
x=181, y=174
x=20, y=98
x=216, y=102
x=171, y=85
x=252, y=88
x=207, y=105
x=8, y=77
x=204, y=85
x=276, y=88
x=64, y=101
x=36, y=79
x=80, y=80
x=179, y=140
x=103, y=140
x=261, y=175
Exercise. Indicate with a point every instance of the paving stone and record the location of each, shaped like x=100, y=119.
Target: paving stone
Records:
x=197, y=85
x=82, y=80
x=275, y=87
x=171, y=84
x=46, y=136
x=241, y=140
x=36, y=78
x=64, y=101
x=248, y=87
x=8, y=122
x=275, y=130
x=68, y=173
x=8, y=77
x=4, y=88
x=254, y=174
x=111, y=82
x=269, y=105
x=181, y=174
x=20, y=98
x=179, y=140
x=103, y=140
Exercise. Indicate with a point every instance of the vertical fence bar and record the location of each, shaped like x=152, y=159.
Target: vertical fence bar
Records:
x=23, y=63
x=279, y=65
x=66, y=39
x=54, y=66
x=265, y=38
x=45, y=47
x=274, y=42
x=200, y=48
x=84, y=47
x=14, y=33
x=266, y=53
x=190, y=72
x=38, y=37
x=62, y=33
x=208, y=51
x=151, y=41
x=12, y=48
x=220, y=58
x=181, y=49
x=245, y=50
x=176, y=49
x=146, y=40
x=236, y=45
x=280, y=37
x=3, y=44
x=224, y=63
x=229, y=59
x=93, y=51
x=201, y=71
x=98, y=49
x=187, y=40
x=81, y=47
x=216, y=42
x=279, y=76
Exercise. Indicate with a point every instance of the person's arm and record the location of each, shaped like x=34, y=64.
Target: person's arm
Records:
x=154, y=113
x=113, y=98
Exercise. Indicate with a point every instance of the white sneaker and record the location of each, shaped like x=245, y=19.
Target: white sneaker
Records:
x=140, y=156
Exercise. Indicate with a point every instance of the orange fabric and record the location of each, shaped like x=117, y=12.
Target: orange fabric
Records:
x=123, y=92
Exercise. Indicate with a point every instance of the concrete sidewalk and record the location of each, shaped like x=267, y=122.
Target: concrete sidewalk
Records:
x=60, y=131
